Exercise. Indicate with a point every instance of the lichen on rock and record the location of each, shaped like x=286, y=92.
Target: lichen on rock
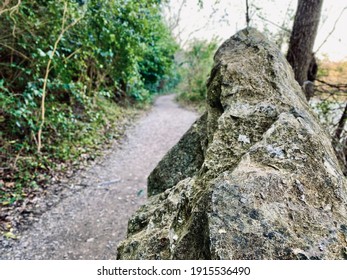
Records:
x=182, y=161
x=255, y=178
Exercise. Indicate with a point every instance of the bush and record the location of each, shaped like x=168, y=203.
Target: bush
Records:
x=63, y=65
x=196, y=66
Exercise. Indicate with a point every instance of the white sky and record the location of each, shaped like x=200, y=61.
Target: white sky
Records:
x=230, y=17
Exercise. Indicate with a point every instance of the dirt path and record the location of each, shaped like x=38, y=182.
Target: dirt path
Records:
x=90, y=223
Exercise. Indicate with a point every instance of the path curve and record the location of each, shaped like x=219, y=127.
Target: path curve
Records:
x=89, y=224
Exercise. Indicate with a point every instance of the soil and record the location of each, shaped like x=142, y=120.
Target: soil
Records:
x=89, y=217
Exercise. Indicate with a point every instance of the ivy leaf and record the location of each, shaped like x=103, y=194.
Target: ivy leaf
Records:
x=41, y=53
x=50, y=54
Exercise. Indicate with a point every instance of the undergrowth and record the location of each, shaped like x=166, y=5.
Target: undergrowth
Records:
x=68, y=69
x=80, y=138
x=195, y=67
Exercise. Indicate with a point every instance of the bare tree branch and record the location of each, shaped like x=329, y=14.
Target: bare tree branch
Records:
x=12, y=9
x=214, y=11
x=332, y=31
x=177, y=16
x=174, y=18
x=337, y=86
x=275, y=24
x=64, y=28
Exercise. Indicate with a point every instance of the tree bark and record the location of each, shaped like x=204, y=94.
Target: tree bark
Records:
x=247, y=14
x=302, y=38
x=341, y=125
x=341, y=147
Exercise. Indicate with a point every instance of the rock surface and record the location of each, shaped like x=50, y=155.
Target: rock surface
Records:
x=265, y=183
x=182, y=161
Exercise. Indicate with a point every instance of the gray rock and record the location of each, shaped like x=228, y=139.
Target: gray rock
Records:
x=269, y=186
x=182, y=161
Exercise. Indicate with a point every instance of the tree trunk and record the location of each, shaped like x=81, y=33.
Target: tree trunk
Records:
x=340, y=147
x=302, y=38
x=341, y=125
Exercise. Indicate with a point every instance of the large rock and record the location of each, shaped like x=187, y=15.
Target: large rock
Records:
x=182, y=161
x=265, y=185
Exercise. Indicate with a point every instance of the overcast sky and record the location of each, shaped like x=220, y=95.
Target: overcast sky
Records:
x=229, y=17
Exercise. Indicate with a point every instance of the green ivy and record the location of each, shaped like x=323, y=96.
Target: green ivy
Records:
x=117, y=52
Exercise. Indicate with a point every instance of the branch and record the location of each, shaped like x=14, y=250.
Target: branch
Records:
x=48, y=69
x=214, y=11
x=6, y=2
x=177, y=16
x=337, y=86
x=275, y=24
x=12, y=9
x=18, y=52
x=71, y=55
x=332, y=31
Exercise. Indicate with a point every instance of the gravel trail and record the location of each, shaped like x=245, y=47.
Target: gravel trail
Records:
x=90, y=223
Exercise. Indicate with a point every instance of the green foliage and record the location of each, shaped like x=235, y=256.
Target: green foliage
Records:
x=113, y=52
x=119, y=44
x=197, y=60
x=327, y=112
